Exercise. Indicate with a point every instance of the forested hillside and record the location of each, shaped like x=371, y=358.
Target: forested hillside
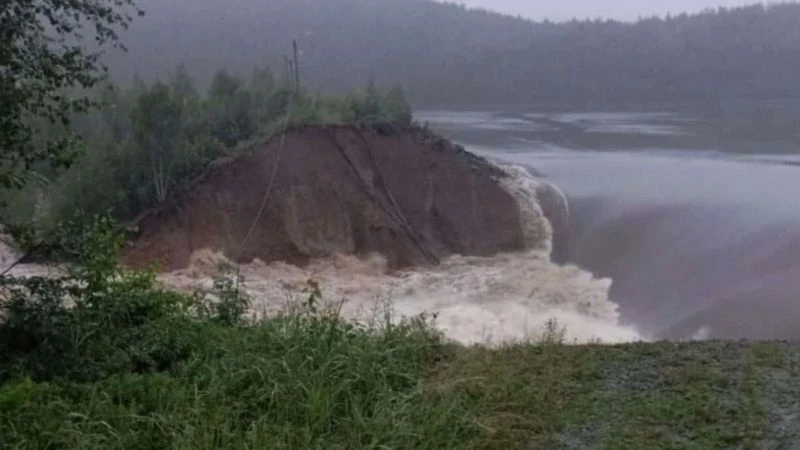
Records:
x=444, y=53
x=145, y=141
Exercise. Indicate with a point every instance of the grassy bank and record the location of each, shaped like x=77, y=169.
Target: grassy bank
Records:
x=104, y=359
x=319, y=383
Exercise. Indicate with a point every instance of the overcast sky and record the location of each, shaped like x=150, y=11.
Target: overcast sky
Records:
x=618, y=9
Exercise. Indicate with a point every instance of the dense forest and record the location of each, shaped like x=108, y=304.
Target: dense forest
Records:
x=142, y=142
x=448, y=54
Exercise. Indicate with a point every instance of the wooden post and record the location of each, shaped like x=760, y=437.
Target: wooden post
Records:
x=296, y=67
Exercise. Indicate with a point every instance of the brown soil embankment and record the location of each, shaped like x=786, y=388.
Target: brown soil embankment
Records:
x=408, y=195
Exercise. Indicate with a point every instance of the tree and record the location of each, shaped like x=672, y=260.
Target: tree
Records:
x=372, y=100
x=396, y=106
x=182, y=85
x=115, y=113
x=366, y=108
x=157, y=129
x=262, y=86
x=42, y=65
x=231, y=109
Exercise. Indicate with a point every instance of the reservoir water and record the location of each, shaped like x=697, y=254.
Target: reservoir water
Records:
x=699, y=242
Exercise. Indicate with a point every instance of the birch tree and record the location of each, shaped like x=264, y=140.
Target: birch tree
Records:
x=157, y=128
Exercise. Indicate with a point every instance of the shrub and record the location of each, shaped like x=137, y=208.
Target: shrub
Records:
x=228, y=301
x=95, y=320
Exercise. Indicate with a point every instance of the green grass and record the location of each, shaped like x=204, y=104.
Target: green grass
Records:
x=126, y=365
x=305, y=383
x=319, y=383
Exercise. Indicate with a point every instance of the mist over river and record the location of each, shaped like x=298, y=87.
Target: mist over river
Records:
x=699, y=242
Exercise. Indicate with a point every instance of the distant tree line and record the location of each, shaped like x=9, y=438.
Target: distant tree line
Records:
x=448, y=54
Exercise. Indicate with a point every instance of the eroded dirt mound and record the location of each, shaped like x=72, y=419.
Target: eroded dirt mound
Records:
x=410, y=196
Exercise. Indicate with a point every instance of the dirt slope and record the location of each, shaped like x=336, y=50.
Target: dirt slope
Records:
x=408, y=195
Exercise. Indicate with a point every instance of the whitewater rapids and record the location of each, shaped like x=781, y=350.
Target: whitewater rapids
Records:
x=490, y=301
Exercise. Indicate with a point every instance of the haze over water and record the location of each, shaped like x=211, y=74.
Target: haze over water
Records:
x=698, y=242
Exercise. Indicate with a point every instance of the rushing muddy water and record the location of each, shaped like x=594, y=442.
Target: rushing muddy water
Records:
x=667, y=241
x=492, y=300
x=698, y=243
x=504, y=298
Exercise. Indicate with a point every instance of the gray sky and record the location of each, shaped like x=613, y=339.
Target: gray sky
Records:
x=558, y=10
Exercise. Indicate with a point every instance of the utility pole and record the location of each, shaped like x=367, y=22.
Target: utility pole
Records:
x=287, y=70
x=296, y=67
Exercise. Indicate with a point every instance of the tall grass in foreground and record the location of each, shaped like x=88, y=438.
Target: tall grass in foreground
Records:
x=285, y=383
x=104, y=359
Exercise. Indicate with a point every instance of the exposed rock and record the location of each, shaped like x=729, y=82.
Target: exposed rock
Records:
x=408, y=195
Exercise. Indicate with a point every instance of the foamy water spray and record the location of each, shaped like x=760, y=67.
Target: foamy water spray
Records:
x=9, y=260
x=508, y=297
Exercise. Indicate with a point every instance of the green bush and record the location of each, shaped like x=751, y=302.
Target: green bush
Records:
x=229, y=302
x=94, y=321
